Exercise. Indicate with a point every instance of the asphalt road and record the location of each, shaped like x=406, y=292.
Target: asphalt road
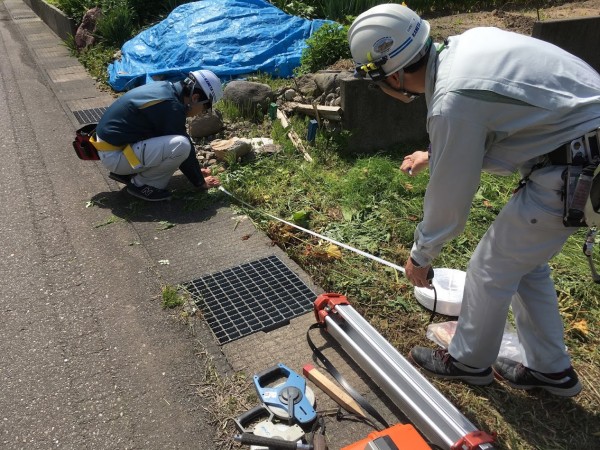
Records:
x=88, y=359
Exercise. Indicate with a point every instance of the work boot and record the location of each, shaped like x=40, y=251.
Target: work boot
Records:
x=124, y=179
x=440, y=364
x=149, y=193
x=564, y=384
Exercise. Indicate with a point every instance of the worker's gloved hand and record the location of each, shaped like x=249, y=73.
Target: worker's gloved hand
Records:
x=415, y=162
x=418, y=276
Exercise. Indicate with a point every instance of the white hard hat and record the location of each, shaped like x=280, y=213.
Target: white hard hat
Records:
x=387, y=38
x=209, y=82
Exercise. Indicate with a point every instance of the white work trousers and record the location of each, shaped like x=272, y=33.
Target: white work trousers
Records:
x=160, y=158
x=510, y=267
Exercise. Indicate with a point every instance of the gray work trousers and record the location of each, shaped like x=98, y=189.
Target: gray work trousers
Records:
x=510, y=267
x=160, y=158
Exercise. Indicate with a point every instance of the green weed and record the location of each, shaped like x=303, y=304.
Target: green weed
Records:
x=117, y=24
x=171, y=297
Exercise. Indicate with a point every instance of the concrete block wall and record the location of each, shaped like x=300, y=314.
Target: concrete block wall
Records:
x=580, y=37
x=59, y=23
x=378, y=121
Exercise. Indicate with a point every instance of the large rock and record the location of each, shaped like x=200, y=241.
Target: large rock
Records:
x=85, y=37
x=307, y=86
x=251, y=98
x=328, y=80
x=230, y=149
x=205, y=125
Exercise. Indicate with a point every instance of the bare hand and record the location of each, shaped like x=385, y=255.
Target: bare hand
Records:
x=210, y=182
x=417, y=275
x=415, y=163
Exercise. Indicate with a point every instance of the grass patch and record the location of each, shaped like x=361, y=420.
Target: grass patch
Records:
x=96, y=60
x=172, y=297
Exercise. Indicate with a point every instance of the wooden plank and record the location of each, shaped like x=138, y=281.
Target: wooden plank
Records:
x=319, y=111
x=331, y=389
x=293, y=135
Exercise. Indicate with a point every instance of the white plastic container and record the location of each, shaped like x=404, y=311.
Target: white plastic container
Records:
x=449, y=284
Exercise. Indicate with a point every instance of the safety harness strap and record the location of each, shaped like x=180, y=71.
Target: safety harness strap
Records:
x=127, y=150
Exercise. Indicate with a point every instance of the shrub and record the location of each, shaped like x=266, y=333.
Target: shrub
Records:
x=326, y=46
x=116, y=25
x=75, y=9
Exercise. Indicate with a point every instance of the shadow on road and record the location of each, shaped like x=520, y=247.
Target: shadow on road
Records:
x=189, y=205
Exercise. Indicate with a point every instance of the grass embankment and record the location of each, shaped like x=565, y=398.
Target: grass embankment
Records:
x=367, y=203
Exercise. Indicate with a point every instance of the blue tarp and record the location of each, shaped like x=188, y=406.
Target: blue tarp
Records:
x=229, y=37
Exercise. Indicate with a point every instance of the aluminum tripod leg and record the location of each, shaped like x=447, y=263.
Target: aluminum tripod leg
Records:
x=427, y=409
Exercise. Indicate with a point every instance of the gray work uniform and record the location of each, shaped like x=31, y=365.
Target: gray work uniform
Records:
x=497, y=101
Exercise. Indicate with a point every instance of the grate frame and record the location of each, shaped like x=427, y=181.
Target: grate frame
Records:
x=261, y=295
x=92, y=115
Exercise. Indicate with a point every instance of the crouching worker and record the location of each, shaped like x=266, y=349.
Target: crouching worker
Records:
x=142, y=138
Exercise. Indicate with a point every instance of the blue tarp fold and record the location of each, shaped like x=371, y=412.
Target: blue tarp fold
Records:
x=229, y=37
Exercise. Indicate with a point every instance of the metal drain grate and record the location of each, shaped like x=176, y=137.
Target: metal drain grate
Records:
x=258, y=296
x=89, y=115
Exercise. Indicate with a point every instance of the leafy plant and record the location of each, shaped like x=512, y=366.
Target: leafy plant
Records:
x=326, y=46
x=117, y=25
x=96, y=59
x=75, y=9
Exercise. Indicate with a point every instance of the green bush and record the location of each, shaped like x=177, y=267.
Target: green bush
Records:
x=326, y=46
x=116, y=25
x=75, y=9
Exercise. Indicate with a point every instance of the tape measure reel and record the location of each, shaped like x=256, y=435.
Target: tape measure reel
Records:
x=288, y=399
x=449, y=285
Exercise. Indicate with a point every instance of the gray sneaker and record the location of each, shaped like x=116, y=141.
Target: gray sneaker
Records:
x=149, y=193
x=564, y=384
x=439, y=363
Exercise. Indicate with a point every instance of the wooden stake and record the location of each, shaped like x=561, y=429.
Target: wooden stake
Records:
x=293, y=135
x=332, y=389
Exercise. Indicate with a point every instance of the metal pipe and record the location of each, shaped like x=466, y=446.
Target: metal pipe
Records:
x=426, y=408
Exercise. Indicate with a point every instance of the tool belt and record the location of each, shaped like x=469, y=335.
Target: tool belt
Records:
x=87, y=146
x=578, y=152
x=580, y=180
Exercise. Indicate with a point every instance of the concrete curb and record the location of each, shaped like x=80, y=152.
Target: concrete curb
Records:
x=63, y=26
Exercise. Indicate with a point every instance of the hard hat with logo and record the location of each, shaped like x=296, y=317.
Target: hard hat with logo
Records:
x=208, y=82
x=387, y=38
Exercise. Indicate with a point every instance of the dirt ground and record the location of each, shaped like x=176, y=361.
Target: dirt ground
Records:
x=517, y=21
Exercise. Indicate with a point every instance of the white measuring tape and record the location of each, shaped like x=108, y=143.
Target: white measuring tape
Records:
x=347, y=247
x=449, y=283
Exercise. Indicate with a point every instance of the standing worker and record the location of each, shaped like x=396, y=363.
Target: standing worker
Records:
x=142, y=138
x=498, y=102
